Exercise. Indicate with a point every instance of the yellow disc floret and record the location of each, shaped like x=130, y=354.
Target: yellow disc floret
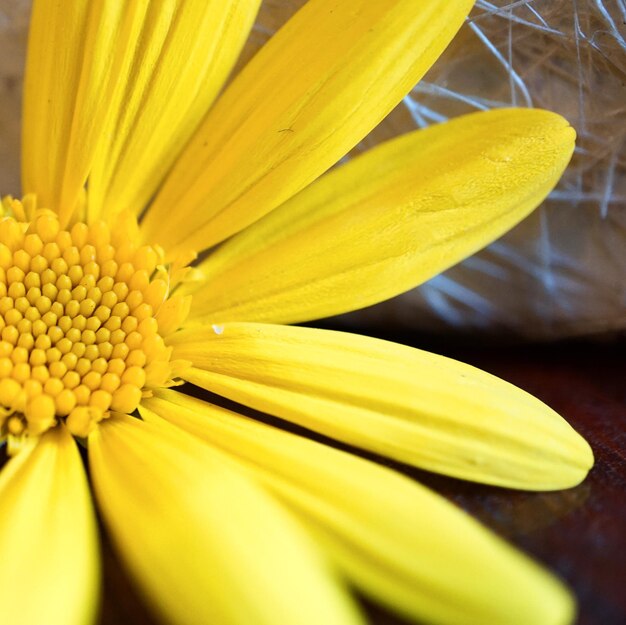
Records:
x=79, y=323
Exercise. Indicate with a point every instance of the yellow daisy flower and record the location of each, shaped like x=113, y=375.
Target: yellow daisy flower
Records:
x=223, y=519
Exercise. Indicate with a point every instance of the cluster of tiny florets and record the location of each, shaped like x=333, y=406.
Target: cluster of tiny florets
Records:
x=78, y=332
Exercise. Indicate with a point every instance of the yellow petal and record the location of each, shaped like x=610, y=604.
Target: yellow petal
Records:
x=51, y=84
x=121, y=94
x=181, y=59
x=316, y=89
x=49, y=572
x=74, y=55
x=416, y=407
x=388, y=220
x=394, y=539
x=206, y=545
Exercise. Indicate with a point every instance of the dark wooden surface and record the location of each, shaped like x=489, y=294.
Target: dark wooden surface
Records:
x=580, y=533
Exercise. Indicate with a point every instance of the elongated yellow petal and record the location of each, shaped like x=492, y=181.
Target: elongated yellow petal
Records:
x=396, y=540
x=206, y=545
x=74, y=57
x=126, y=86
x=319, y=86
x=416, y=407
x=51, y=83
x=49, y=571
x=388, y=220
x=180, y=61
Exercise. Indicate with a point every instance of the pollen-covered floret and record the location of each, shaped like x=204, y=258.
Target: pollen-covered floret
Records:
x=82, y=318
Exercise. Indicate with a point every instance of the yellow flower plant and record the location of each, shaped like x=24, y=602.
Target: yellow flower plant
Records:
x=132, y=166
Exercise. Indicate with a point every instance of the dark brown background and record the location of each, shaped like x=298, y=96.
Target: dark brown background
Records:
x=580, y=533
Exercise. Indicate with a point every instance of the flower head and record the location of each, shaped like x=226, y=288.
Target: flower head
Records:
x=84, y=312
x=130, y=171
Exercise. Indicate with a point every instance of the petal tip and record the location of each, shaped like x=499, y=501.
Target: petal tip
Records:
x=556, y=127
x=575, y=467
x=583, y=462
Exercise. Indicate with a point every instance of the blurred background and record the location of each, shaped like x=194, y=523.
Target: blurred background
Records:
x=561, y=272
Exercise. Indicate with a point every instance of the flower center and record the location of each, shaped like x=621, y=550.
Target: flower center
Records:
x=79, y=324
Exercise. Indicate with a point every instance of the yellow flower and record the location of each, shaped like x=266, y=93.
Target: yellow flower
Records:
x=223, y=519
